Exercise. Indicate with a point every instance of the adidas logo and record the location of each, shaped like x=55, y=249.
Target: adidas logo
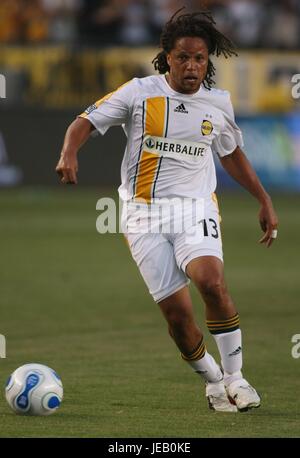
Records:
x=181, y=109
x=236, y=352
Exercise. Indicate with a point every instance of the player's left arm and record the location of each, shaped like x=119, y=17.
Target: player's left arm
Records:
x=238, y=167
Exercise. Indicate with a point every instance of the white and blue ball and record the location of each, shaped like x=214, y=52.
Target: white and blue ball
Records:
x=34, y=389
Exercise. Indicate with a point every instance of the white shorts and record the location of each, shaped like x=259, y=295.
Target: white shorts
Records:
x=162, y=258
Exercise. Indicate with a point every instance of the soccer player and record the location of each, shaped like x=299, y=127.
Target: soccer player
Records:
x=173, y=122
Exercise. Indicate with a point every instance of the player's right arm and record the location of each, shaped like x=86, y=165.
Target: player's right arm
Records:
x=77, y=134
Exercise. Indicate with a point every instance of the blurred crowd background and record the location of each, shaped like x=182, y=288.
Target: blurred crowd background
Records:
x=250, y=23
x=59, y=56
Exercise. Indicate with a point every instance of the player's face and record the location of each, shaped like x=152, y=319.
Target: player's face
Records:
x=188, y=62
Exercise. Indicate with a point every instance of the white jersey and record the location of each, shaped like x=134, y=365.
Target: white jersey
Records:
x=170, y=137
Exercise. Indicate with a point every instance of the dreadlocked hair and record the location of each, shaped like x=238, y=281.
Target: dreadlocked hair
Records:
x=202, y=25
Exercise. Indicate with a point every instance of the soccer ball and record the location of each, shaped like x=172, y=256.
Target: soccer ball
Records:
x=34, y=389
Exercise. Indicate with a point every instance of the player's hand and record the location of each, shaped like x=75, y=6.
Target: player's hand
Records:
x=67, y=168
x=268, y=222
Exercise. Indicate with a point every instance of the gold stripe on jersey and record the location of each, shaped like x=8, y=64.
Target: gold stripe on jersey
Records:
x=155, y=116
x=220, y=327
x=155, y=125
x=196, y=354
x=145, y=179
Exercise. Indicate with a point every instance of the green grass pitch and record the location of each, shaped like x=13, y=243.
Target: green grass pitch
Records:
x=74, y=300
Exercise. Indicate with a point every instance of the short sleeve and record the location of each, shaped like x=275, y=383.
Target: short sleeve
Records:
x=112, y=110
x=231, y=136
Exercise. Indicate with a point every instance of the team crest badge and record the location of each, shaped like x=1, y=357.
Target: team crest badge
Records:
x=206, y=127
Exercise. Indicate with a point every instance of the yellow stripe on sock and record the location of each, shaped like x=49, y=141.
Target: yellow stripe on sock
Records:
x=236, y=316
x=225, y=325
x=197, y=354
x=217, y=327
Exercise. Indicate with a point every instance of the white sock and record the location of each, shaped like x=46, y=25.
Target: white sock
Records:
x=230, y=348
x=207, y=368
x=204, y=364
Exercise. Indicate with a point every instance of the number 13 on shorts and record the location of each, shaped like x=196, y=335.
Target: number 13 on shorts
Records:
x=205, y=228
